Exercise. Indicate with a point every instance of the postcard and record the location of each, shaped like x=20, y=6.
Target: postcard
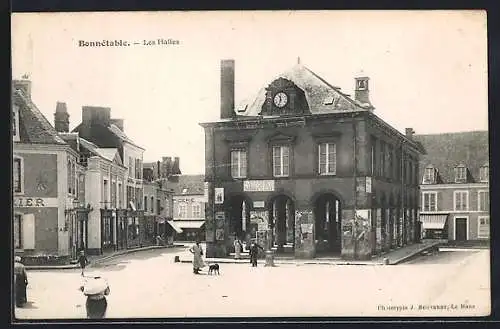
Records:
x=245, y=164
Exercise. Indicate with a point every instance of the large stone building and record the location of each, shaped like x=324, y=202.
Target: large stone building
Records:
x=45, y=183
x=455, y=186
x=320, y=171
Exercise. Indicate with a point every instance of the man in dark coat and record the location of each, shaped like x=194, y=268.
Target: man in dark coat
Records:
x=82, y=260
x=254, y=252
x=20, y=282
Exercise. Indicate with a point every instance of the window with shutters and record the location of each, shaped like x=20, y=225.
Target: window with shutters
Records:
x=18, y=175
x=145, y=203
x=382, y=159
x=158, y=206
x=429, y=201
x=18, y=231
x=152, y=205
x=483, y=230
x=327, y=158
x=483, y=201
x=120, y=195
x=196, y=210
x=429, y=175
x=484, y=173
x=239, y=163
x=461, y=200
x=182, y=210
x=15, y=123
x=281, y=161
x=460, y=174
x=130, y=166
x=372, y=158
x=113, y=194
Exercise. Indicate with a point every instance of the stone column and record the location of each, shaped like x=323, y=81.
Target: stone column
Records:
x=305, y=234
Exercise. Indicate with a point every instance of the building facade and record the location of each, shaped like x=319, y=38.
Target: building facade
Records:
x=455, y=199
x=45, y=183
x=189, y=206
x=308, y=170
x=120, y=218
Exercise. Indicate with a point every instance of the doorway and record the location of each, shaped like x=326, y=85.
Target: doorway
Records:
x=327, y=214
x=282, y=218
x=461, y=228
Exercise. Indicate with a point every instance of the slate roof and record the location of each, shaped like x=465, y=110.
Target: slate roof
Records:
x=448, y=150
x=120, y=134
x=316, y=90
x=194, y=184
x=34, y=128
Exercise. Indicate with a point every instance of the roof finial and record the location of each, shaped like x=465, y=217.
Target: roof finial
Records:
x=25, y=76
x=298, y=60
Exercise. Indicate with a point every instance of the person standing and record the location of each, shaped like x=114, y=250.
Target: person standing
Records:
x=20, y=282
x=82, y=260
x=254, y=252
x=197, y=252
x=237, y=248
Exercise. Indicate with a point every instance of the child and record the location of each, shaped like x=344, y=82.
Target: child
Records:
x=82, y=260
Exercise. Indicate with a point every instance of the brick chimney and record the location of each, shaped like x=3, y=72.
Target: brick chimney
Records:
x=118, y=123
x=362, y=90
x=227, y=89
x=24, y=85
x=176, y=169
x=166, y=167
x=61, y=118
x=409, y=133
x=96, y=115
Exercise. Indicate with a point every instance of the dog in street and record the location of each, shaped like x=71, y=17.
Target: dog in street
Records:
x=214, y=268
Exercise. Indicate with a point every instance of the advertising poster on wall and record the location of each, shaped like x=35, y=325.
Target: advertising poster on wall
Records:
x=219, y=195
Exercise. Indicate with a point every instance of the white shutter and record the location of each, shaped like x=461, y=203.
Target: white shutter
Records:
x=28, y=231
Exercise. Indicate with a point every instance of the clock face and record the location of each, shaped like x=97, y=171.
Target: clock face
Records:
x=280, y=99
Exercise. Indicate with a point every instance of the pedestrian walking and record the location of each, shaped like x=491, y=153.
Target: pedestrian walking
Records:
x=254, y=252
x=237, y=248
x=82, y=260
x=198, y=262
x=20, y=282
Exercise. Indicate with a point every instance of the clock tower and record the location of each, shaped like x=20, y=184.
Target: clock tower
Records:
x=283, y=97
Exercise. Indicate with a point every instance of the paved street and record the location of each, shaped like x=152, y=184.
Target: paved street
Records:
x=150, y=284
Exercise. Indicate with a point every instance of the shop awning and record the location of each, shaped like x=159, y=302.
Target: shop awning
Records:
x=190, y=223
x=433, y=221
x=174, y=226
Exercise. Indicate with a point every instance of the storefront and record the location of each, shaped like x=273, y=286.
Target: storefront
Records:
x=434, y=226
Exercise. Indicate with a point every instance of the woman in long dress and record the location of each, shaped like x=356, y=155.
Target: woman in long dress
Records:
x=20, y=282
x=237, y=248
x=198, y=262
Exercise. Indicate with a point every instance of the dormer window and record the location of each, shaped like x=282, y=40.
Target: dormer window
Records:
x=429, y=175
x=15, y=123
x=460, y=174
x=484, y=173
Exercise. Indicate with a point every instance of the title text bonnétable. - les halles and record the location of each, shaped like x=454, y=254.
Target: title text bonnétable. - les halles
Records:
x=125, y=43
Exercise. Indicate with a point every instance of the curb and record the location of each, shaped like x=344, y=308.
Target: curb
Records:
x=97, y=261
x=416, y=253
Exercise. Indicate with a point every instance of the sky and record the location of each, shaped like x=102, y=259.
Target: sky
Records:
x=427, y=69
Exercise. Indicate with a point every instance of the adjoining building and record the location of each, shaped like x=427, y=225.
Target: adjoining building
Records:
x=158, y=204
x=309, y=167
x=45, y=185
x=108, y=139
x=189, y=206
x=455, y=187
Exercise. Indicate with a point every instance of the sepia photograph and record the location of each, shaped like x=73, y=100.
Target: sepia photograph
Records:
x=250, y=164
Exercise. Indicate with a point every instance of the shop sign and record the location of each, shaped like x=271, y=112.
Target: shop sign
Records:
x=258, y=204
x=258, y=185
x=35, y=202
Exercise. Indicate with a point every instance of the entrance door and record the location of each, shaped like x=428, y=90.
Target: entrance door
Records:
x=460, y=229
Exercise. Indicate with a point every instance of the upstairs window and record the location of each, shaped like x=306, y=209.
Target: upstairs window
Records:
x=182, y=210
x=461, y=200
x=483, y=231
x=372, y=159
x=429, y=175
x=152, y=205
x=483, y=201
x=145, y=203
x=327, y=159
x=15, y=124
x=484, y=173
x=130, y=166
x=281, y=161
x=18, y=175
x=239, y=163
x=429, y=201
x=196, y=210
x=460, y=174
